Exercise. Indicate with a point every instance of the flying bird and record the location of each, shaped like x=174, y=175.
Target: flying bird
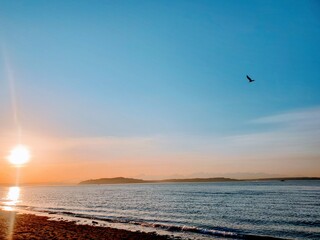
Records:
x=250, y=80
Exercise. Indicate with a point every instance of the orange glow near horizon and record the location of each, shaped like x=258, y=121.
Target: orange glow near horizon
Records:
x=64, y=160
x=19, y=155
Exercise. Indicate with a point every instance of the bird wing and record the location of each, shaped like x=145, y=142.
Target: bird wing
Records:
x=249, y=78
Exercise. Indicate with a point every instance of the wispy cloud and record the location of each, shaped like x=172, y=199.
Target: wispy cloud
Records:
x=290, y=134
x=301, y=117
x=289, y=145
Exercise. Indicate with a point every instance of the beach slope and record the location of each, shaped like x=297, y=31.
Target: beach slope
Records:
x=27, y=226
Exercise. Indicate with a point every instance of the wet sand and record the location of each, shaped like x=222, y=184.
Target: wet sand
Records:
x=27, y=226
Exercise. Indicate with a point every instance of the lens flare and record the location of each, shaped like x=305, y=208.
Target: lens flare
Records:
x=19, y=155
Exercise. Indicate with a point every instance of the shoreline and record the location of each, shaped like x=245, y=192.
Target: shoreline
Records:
x=129, y=181
x=123, y=180
x=15, y=225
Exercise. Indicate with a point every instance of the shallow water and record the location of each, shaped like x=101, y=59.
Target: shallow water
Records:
x=235, y=210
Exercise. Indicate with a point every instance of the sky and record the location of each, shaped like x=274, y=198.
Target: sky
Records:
x=158, y=89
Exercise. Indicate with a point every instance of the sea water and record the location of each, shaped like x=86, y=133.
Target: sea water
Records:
x=233, y=210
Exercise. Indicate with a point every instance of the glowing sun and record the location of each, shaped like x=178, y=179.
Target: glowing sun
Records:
x=19, y=155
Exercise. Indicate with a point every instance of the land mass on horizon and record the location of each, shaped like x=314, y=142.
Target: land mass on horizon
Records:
x=123, y=180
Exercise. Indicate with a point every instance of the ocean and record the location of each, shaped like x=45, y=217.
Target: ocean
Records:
x=225, y=210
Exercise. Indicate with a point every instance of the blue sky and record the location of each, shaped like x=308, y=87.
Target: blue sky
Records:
x=165, y=69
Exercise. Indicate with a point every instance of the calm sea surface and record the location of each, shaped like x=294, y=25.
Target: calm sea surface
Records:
x=289, y=209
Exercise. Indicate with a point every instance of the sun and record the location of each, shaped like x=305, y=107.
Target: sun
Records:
x=19, y=155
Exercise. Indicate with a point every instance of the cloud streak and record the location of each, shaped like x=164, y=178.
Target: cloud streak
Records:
x=291, y=133
x=289, y=145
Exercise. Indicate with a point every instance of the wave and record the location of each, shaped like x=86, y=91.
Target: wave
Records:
x=214, y=232
x=221, y=232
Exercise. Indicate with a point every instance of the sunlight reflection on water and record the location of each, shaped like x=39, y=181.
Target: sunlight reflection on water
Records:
x=12, y=199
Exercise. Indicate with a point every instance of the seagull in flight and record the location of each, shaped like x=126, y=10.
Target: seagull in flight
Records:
x=250, y=80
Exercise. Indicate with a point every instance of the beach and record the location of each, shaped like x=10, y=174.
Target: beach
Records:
x=28, y=226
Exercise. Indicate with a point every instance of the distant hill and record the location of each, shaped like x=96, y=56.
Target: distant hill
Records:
x=116, y=180
x=119, y=180
x=283, y=179
x=122, y=180
x=220, y=179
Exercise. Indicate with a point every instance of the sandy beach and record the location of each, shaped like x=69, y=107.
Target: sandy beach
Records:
x=27, y=226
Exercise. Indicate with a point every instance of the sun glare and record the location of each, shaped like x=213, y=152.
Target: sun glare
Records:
x=19, y=155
